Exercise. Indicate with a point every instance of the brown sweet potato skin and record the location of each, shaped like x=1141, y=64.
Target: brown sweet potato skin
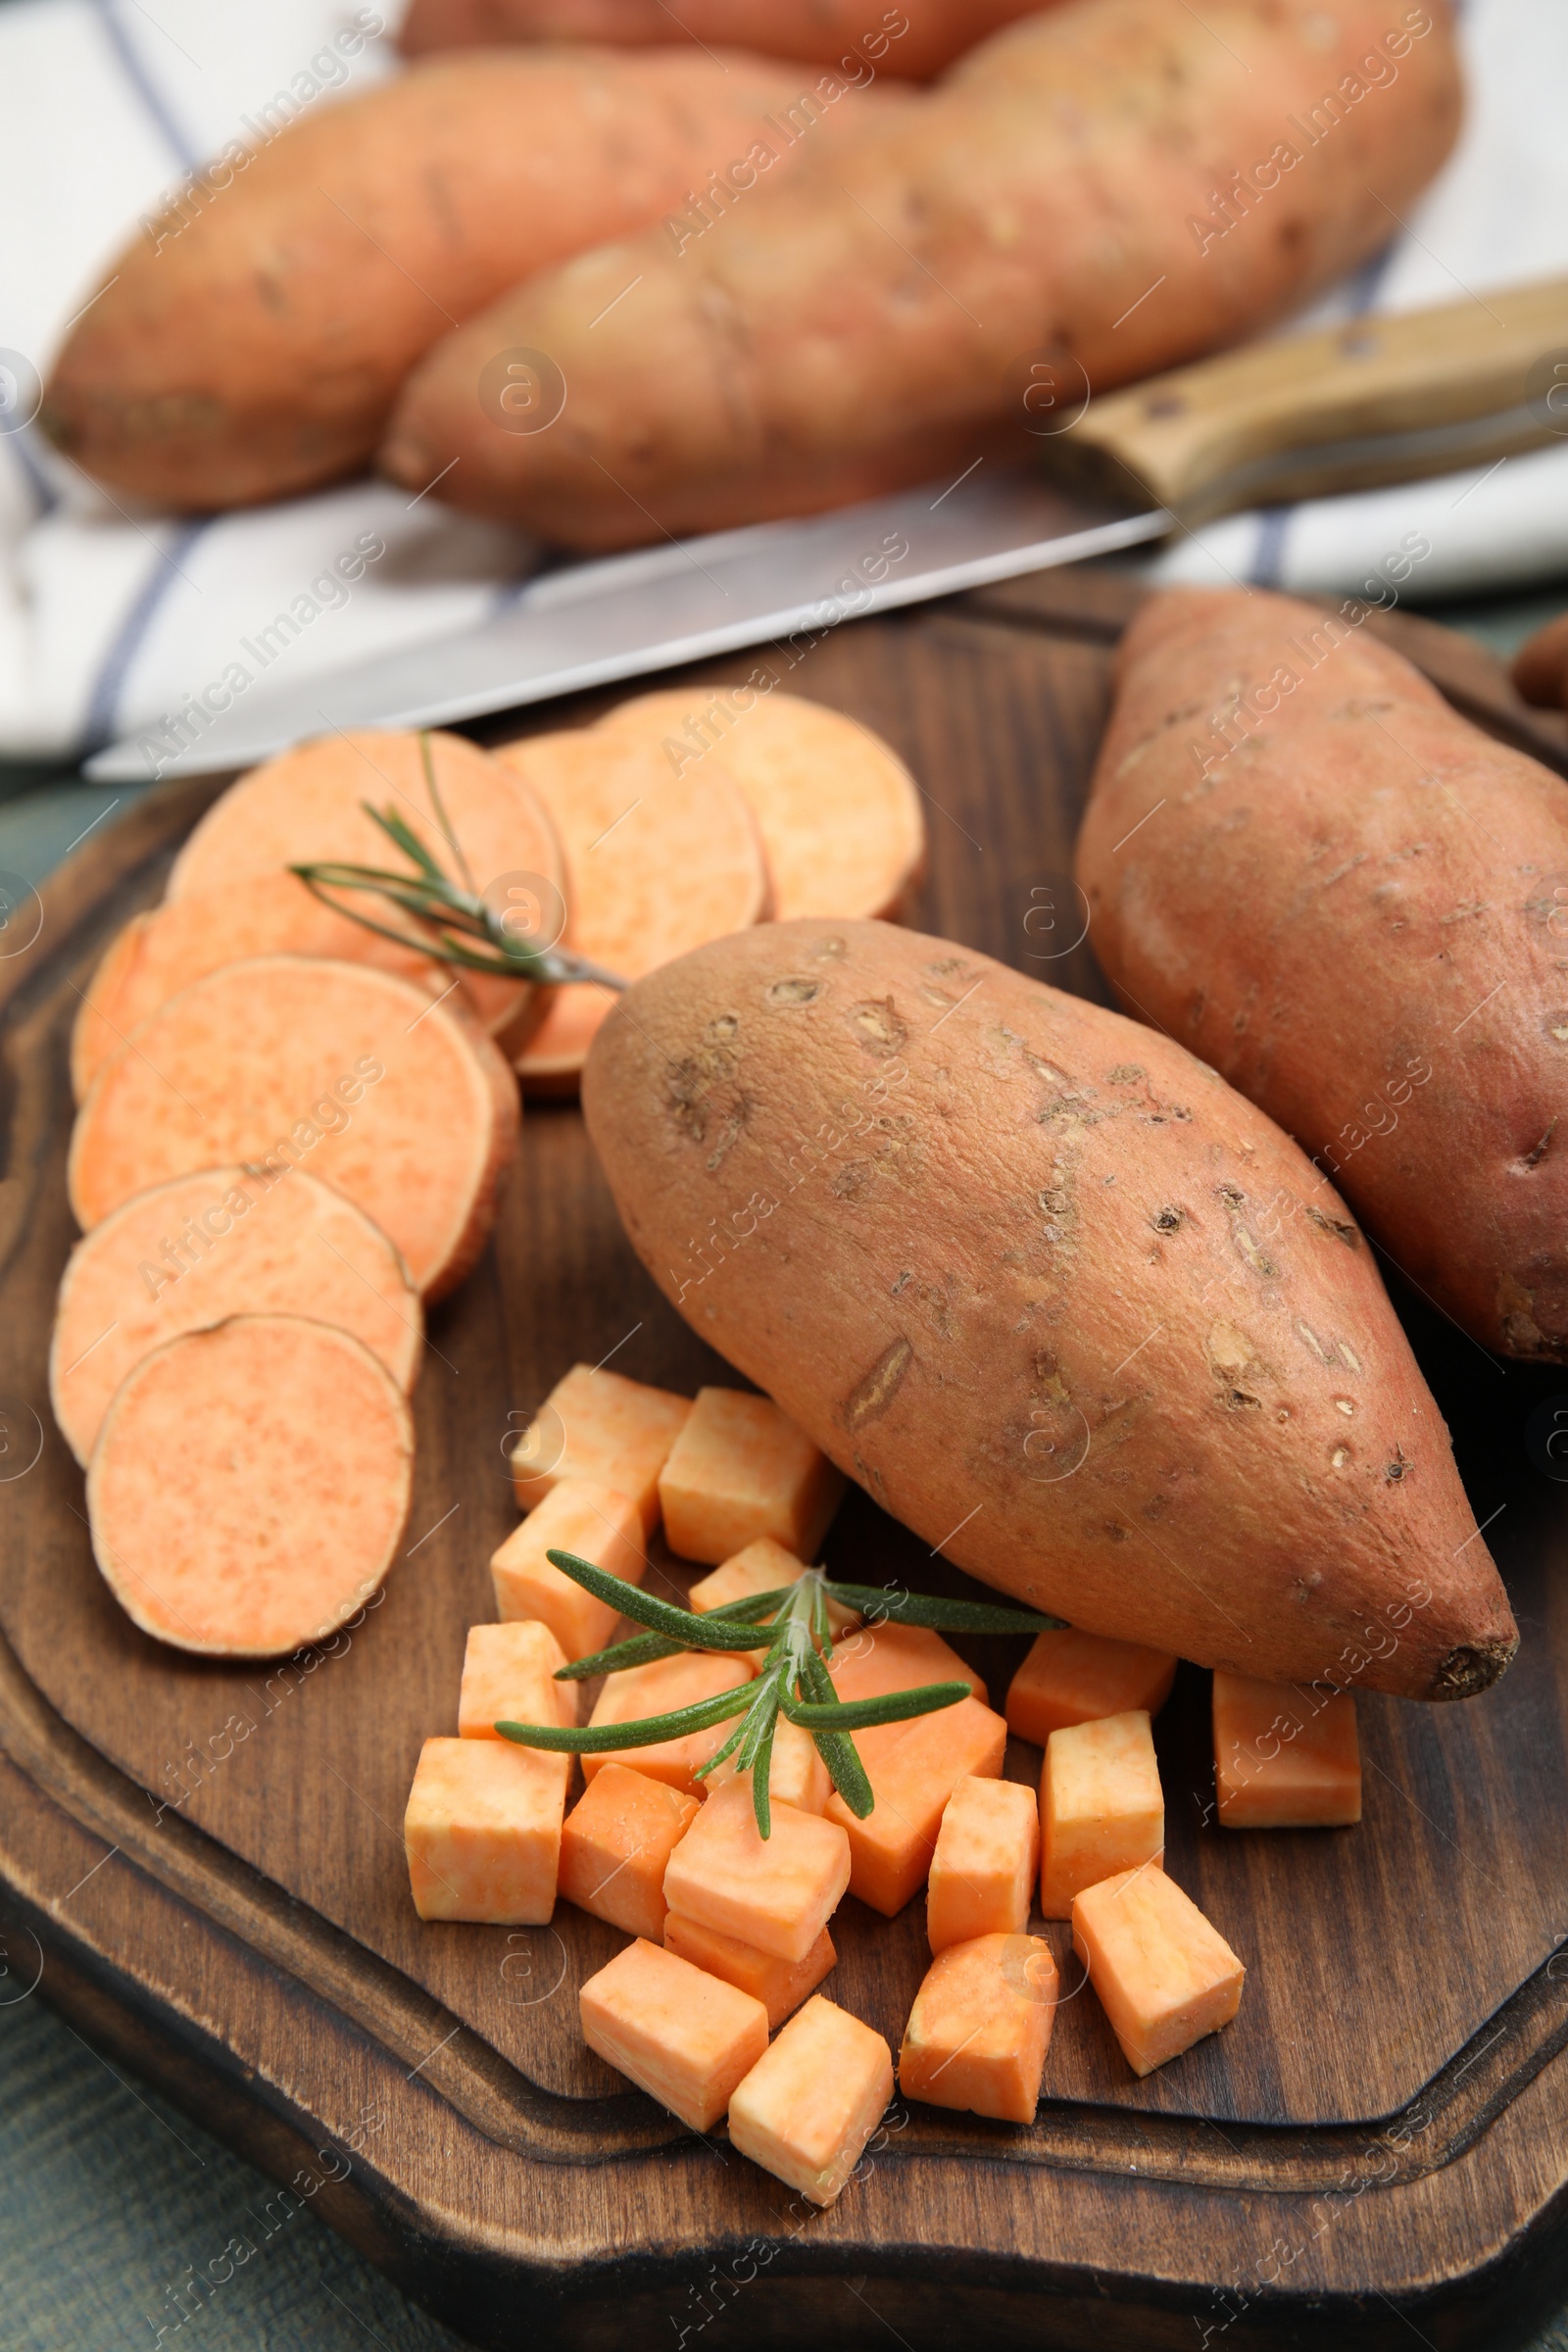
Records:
x=915, y=40
x=255, y=351
x=1060, y=1299
x=1540, y=665
x=870, y=323
x=1360, y=916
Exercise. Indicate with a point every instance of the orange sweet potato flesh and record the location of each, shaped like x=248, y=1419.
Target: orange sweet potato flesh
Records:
x=813, y=32
x=159, y=952
x=873, y=321
x=655, y=864
x=249, y=343
x=202, y=1248
x=308, y=806
x=1359, y=915
x=393, y=1098
x=838, y=810
x=250, y=1485
x=1069, y=1358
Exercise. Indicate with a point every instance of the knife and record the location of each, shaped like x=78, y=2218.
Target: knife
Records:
x=1378, y=400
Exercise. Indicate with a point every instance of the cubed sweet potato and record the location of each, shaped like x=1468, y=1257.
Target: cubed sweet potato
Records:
x=807, y=2109
x=738, y=1470
x=685, y=2037
x=1102, y=1807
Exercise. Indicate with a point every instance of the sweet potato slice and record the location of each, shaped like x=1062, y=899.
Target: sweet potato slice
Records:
x=307, y=806
x=394, y=1098
x=838, y=810
x=250, y=1485
x=161, y=951
x=218, y=1243
x=656, y=864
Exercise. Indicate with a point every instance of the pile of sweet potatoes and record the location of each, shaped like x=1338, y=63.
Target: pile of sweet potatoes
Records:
x=607, y=293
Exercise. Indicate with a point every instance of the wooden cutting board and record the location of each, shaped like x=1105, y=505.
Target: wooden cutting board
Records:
x=206, y=1862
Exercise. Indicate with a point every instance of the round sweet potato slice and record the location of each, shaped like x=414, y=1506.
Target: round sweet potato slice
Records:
x=838, y=810
x=202, y=1248
x=250, y=1485
x=161, y=951
x=307, y=807
x=656, y=864
x=391, y=1095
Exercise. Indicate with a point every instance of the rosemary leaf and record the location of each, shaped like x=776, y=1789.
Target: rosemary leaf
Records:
x=862, y=1714
x=837, y=1749
x=602, y=1738
x=684, y=1626
x=943, y=1616
x=643, y=1649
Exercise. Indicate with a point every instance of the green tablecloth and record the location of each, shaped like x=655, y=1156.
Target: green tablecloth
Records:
x=108, y=2197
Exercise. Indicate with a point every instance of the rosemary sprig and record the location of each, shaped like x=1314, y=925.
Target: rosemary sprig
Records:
x=459, y=925
x=793, y=1679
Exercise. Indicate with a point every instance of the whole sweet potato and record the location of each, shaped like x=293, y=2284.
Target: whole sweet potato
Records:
x=1540, y=665
x=1058, y=1299
x=1096, y=193
x=1303, y=865
x=918, y=39
x=248, y=344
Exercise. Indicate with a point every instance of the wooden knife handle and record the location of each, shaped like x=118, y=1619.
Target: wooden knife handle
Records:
x=1375, y=399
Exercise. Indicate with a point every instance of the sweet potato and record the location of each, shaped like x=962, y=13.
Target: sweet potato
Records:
x=1092, y=195
x=1540, y=665
x=162, y=950
x=1016, y=1288
x=1309, y=868
x=308, y=806
x=838, y=810
x=250, y=1483
x=202, y=1248
x=915, y=40
x=248, y=344
x=397, y=1100
x=655, y=863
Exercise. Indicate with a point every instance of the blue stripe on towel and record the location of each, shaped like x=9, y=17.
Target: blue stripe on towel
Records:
x=98, y=725
x=152, y=98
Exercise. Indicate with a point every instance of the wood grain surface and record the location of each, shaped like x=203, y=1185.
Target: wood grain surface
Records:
x=210, y=1857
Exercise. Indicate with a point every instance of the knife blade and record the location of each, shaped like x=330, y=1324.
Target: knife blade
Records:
x=1368, y=401
x=622, y=616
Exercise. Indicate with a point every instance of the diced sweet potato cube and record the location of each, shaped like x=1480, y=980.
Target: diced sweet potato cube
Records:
x=603, y=1427
x=894, y=1657
x=1071, y=1678
x=796, y=1775
x=1102, y=1807
x=781, y=1985
x=685, y=2037
x=660, y=1689
x=615, y=1844
x=509, y=1677
x=977, y=2035
x=778, y=1892
x=741, y=1469
x=1284, y=1760
x=596, y=1524
x=890, y=1852
x=807, y=2109
x=983, y=1871
x=762, y=1567
x=482, y=1832
x=1164, y=1976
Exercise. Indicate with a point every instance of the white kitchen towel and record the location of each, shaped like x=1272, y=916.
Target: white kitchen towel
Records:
x=112, y=615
